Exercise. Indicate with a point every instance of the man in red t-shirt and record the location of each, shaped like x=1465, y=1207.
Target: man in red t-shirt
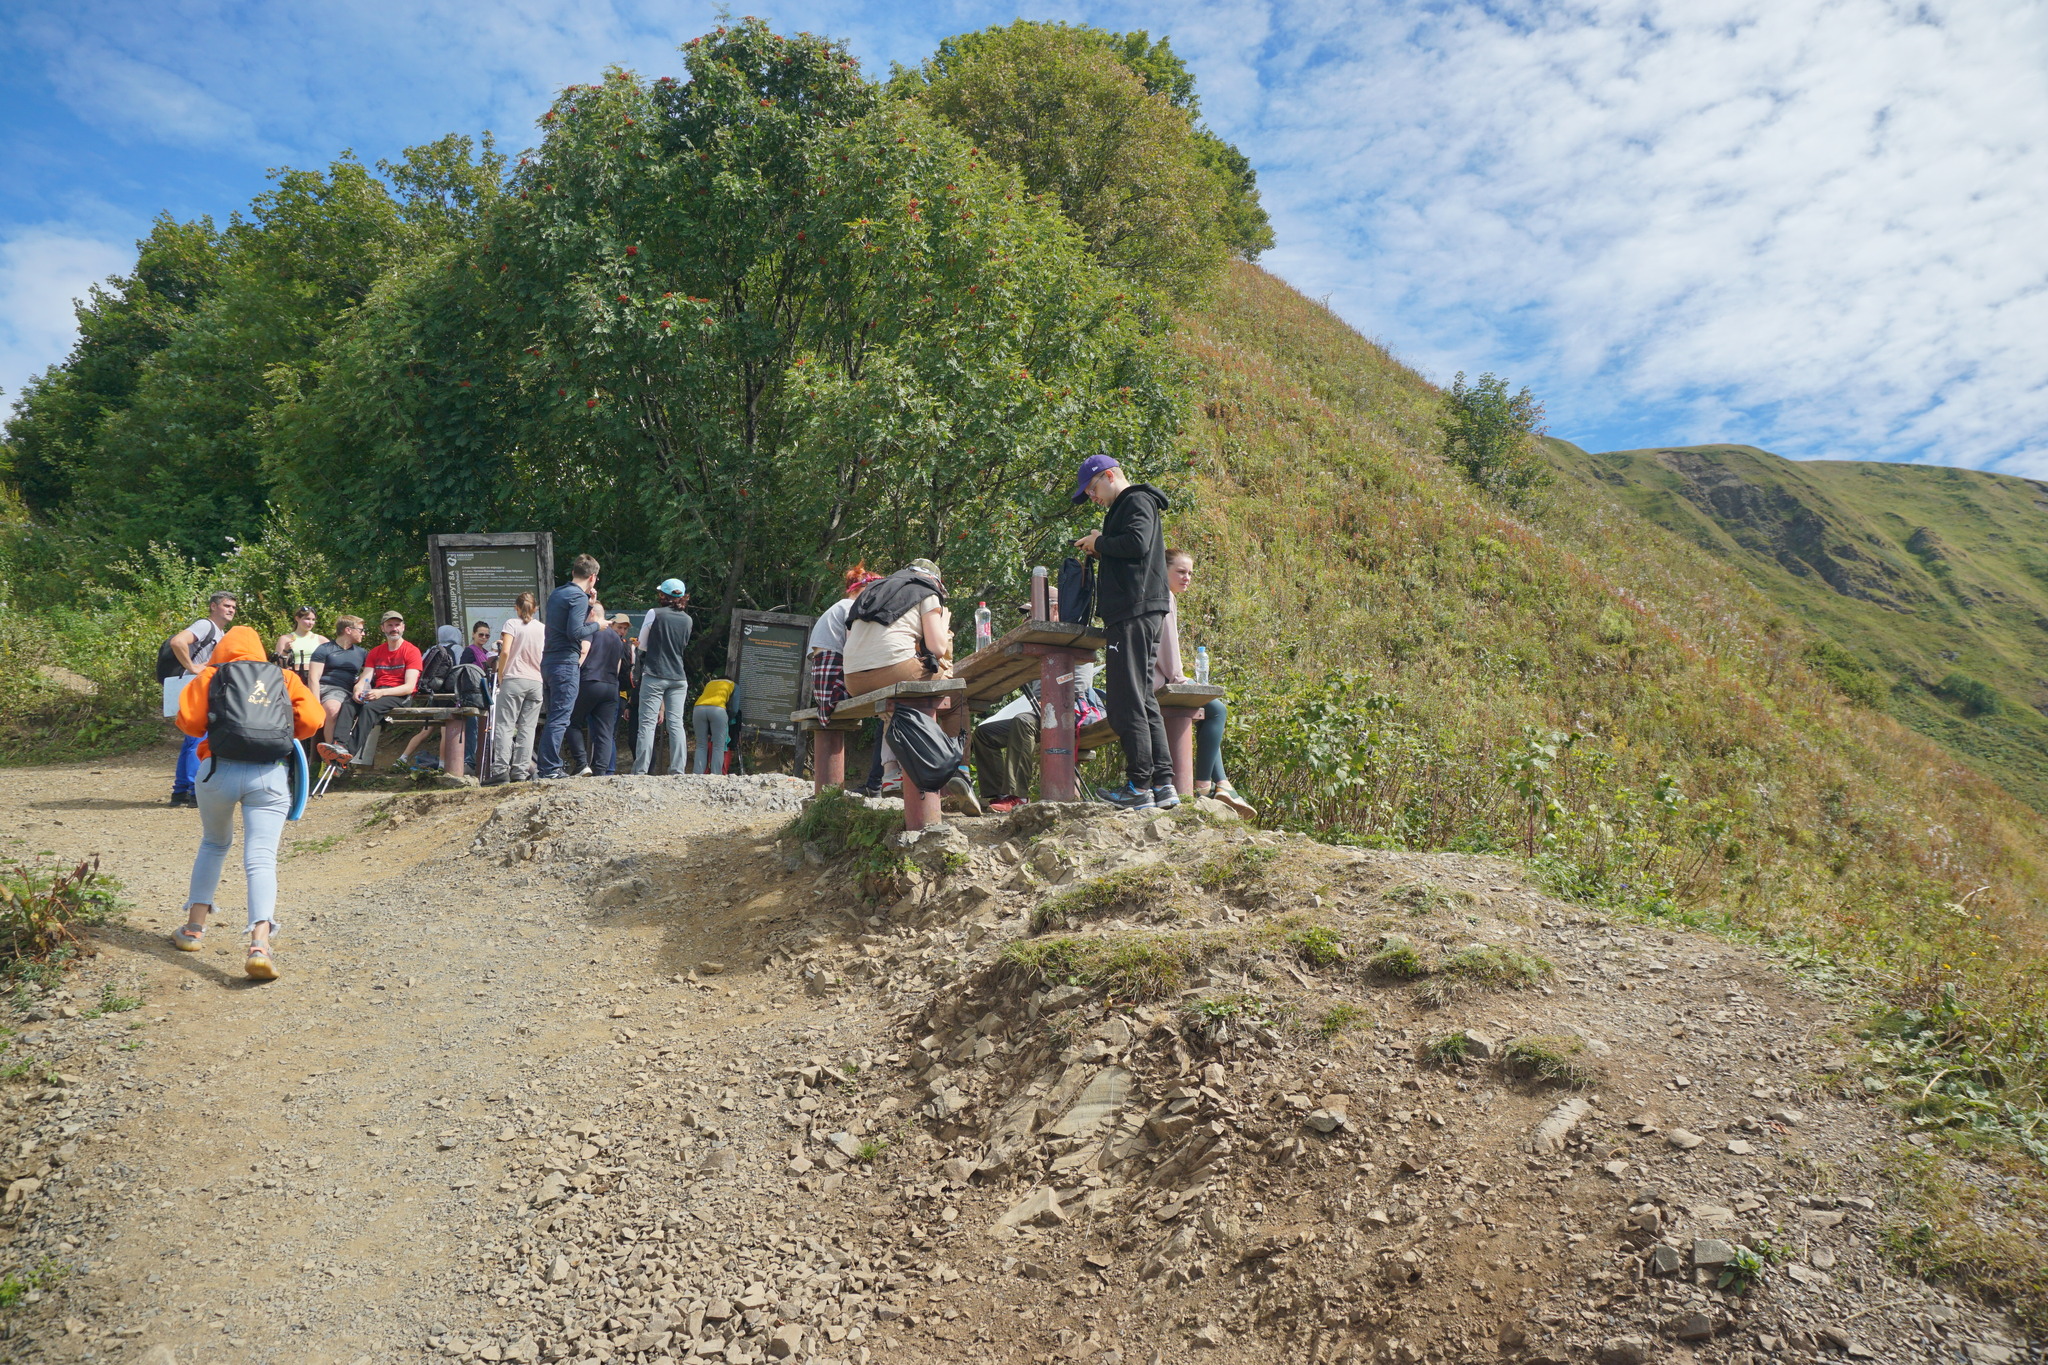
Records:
x=390, y=673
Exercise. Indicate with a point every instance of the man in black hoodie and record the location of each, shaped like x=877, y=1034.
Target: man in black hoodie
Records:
x=1131, y=593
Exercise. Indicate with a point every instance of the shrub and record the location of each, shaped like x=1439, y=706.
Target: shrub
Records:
x=1490, y=435
x=42, y=907
x=1849, y=674
x=1976, y=698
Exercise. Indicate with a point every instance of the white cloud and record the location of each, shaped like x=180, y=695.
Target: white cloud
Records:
x=1815, y=226
x=43, y=270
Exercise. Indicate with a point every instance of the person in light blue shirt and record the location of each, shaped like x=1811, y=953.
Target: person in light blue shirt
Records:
x=573, y=615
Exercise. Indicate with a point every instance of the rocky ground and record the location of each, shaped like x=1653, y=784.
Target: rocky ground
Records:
x=625, y=1069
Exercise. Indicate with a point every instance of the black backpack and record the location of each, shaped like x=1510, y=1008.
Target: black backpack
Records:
x=249, y=713
x=1077, y=591
x=437, y=671
x=167, y=665
x=471, y=686
x=929, y=756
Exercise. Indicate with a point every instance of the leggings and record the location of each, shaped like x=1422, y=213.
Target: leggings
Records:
x=709, y=723
x=1209, y=742
x=262, y=791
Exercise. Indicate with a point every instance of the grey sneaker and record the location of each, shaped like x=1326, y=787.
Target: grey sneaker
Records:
x=1166, y=797
x=1128, y=797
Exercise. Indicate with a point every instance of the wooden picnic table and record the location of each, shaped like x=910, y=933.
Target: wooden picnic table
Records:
x=1008, y=663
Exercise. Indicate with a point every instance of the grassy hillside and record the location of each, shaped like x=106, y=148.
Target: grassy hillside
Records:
x=1934, y=580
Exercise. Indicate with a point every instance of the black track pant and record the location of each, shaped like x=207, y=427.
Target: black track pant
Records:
x=1133, y=710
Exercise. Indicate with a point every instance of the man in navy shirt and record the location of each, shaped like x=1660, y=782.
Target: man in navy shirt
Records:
x=573, y=617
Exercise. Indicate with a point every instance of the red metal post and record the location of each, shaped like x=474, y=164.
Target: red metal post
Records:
x=828, y=759
x=454, y=740
x=1058, y=776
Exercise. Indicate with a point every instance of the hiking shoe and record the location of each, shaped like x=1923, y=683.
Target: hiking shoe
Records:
x=184, y=799
x=1227, y=794
x=1166, y=797
x=334, y=753
x=1128, y=797
x=1003, y=805
x=961, y=790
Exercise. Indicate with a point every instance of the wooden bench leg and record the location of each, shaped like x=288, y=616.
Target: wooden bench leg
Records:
x=1058, y=778
x=1180, y=741
x=920, y=807
x=828, y=759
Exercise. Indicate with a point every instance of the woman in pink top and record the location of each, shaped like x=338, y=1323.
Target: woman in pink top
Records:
x=516, y=713
x=1166, y=668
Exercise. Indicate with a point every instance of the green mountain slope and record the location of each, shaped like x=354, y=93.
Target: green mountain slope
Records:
x=1935, y=580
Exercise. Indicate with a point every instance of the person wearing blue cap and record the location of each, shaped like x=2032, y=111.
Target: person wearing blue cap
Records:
x=1131, y=594
x=663, y=684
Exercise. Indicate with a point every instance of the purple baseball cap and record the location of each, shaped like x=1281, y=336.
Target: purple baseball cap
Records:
x=1091, y=467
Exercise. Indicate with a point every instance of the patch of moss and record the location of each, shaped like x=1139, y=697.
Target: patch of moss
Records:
x=1126, y=967
x=1137, y=892
x=1552, y=1057
x=1497, y=965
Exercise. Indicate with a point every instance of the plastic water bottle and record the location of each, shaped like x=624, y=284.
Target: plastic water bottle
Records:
x=984, y=633
x=1202, y=664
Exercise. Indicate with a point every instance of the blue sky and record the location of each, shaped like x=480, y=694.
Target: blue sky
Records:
x=1818, y=226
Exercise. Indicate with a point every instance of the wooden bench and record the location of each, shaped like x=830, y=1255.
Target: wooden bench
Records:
x=1179, y=706
x=828, y=766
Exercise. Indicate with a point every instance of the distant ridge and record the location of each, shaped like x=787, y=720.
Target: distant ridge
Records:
x=1932, y=580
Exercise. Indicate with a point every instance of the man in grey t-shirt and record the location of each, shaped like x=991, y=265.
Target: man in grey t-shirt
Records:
x=662, y=683
x=193, y=647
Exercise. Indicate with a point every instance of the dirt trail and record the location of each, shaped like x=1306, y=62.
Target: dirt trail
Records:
x=619, y=1070
x=301, y=1170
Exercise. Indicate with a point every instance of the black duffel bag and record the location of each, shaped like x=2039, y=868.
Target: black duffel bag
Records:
x=930, y=757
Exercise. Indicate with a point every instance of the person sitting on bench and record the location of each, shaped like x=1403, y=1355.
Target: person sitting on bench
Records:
x=1166, y=668
x=899, y=630
x=391, y=674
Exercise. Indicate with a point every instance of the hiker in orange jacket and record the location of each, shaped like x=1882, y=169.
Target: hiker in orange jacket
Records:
x=262, y=790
